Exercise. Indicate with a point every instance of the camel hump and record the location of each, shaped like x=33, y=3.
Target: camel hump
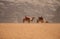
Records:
x=27, y=16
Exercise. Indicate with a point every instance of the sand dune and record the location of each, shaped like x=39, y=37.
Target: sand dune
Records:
x=29, y=31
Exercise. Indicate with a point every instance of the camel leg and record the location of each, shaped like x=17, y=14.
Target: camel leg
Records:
x=23, y=20
x=28, y=21
x=37, y=21
x=47, y=22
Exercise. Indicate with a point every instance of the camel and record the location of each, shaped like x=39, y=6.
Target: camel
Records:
x=41, y=20
x=28, y=19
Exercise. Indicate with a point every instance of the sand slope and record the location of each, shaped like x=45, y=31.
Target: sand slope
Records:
x=29, y=31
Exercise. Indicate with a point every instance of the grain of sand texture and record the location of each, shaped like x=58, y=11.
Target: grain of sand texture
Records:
x=29, y=31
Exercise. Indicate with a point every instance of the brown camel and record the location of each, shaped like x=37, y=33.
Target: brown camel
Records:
x=40, y=20
x=28, y=19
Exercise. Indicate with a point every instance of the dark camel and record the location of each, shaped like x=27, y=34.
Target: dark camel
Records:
x=41, y=20
x=28, y=19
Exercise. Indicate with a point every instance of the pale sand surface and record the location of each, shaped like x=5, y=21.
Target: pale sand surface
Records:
x=29, y=31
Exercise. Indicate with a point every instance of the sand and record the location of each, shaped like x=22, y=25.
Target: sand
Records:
x=29, y=31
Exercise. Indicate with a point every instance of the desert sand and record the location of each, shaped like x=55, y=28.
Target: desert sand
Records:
x=29, y=31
